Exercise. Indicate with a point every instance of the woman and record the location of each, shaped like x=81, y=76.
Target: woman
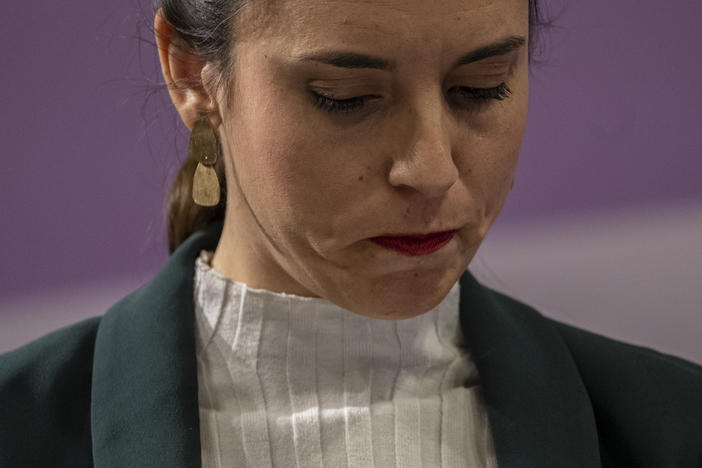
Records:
x=320, y=312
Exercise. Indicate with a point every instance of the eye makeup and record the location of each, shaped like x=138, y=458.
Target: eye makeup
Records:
x=471, y=98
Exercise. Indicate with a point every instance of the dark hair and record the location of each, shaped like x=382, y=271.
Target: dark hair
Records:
x=207, y=27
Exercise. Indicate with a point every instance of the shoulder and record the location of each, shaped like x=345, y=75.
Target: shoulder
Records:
x=642, y=398
x=44, y=362
x=601, y=357
x=589, y=346
x=45, y=390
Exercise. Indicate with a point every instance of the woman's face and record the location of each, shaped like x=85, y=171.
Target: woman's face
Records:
x=307, y=187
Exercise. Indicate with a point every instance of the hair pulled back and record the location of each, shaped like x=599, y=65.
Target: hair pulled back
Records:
x=207, y=27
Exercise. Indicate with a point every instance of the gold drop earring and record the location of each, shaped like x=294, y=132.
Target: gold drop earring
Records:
x=205, y=149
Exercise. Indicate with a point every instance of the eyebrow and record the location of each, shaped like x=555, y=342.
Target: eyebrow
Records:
x=352, y=60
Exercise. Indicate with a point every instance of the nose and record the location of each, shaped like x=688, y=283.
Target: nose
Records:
x=427, y=164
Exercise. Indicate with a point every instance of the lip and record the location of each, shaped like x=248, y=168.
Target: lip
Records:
x=415, y=244
x=417, y=236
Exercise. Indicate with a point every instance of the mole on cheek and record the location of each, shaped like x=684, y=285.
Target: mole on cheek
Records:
x=362, y=177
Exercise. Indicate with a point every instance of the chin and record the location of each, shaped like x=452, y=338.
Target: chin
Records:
x=398, y=296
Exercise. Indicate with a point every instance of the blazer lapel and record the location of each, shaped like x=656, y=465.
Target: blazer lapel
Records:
x=144, y=409
x=538, y=407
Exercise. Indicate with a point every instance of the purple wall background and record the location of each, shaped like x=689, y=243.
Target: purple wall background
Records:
x=614, y=122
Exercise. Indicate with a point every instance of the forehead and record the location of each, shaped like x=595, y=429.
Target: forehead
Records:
x=298, y=26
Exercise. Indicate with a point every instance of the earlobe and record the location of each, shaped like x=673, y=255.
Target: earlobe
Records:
x=182, y=70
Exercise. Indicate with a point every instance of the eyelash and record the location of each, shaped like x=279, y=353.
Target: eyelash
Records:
x=478, y=96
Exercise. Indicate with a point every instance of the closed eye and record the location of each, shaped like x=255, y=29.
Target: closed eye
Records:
x=472, y=98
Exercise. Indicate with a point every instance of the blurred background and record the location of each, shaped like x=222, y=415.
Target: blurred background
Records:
x=603, y=229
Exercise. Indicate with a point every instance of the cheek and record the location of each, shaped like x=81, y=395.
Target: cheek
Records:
x=300, y=179
x=489, y=157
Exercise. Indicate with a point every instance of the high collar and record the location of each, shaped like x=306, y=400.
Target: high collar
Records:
x=263, y=326
x=144, y=390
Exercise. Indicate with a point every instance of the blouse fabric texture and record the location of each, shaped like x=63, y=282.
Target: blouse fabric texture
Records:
x=291, y=381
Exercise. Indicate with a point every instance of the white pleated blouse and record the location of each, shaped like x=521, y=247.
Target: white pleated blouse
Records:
x=290, y=381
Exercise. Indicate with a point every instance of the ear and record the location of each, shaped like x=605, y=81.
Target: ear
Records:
x=183, y=71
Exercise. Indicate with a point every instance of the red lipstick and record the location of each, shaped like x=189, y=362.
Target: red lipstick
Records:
x=415, y=245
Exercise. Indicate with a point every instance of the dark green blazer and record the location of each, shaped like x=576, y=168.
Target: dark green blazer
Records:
x=121, y=390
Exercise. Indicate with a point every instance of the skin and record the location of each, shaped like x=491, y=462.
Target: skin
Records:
x=307, y=188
